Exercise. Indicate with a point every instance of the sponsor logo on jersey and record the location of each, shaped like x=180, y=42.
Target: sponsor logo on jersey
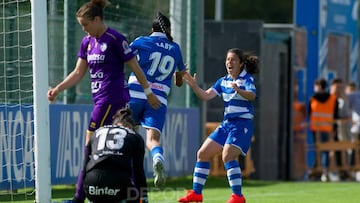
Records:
x=95, y=190
x=157, y=86
x=240, y=82
x=95, y=58
x=96, y=82
x=95, y=86
x=99, y=74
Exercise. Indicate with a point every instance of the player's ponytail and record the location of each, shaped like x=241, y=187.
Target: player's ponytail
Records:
x=124, y=116
x=251, y=64
x=162, y=24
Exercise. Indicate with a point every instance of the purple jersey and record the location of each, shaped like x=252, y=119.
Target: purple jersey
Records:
x=106, y=57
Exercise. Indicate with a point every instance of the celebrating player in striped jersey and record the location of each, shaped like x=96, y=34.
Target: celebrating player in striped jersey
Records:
x=233, y=135
x=158, y=57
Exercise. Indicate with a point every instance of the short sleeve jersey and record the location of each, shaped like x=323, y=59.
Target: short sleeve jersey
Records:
x=159, y=58
x=235, y=104
x=106, y=56
x=115, y=147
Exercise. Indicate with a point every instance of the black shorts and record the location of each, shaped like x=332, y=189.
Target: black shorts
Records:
x=110, y=186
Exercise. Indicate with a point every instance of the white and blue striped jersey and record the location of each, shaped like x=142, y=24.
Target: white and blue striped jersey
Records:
x=158, y=57
x=236, y=106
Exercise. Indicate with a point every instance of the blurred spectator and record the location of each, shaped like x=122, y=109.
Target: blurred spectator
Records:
x=342, y=125
x=353, y=96
x=337, y=88
x=323, y=110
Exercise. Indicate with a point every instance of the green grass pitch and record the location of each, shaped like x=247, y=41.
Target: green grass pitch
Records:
x=217, y=191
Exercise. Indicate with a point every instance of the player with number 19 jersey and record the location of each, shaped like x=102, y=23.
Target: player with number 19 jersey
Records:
x=159, y=58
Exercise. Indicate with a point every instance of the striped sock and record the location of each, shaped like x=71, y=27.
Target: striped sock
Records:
x=233, y=171
x=157, y=154
x=201, y=173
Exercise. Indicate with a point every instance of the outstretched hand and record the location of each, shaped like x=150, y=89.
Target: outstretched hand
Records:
x=190, y=80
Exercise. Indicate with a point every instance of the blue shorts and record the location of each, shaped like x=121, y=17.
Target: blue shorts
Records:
x=237, y=132
x=146, y=116
x=102, y=114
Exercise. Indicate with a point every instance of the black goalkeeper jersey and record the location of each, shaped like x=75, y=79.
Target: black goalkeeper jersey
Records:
x=116, y=148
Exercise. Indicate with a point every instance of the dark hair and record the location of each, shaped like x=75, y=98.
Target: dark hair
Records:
x=251, y=62
x=162, y=24
x=322, y=83
x=92, y=9
x=336, y=81
x=352, y=85
x=124, y=116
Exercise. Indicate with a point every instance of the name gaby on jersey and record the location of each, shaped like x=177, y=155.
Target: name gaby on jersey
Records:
x=164, y=45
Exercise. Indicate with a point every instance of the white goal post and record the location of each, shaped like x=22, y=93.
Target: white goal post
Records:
x=41, y=105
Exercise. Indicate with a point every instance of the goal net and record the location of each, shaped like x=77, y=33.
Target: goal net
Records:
x=36, y=38
x=16, y=101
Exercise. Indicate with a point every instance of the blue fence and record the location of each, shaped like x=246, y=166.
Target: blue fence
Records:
x=68, y=124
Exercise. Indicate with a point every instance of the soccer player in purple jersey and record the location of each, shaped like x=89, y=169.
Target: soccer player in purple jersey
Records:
x=160, y=58
x=103, y=52
x=233, y=135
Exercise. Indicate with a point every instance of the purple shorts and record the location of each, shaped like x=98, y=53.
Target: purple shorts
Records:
x=102, y=114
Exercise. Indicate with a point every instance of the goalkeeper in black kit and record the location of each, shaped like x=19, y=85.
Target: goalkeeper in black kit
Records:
x=114, y=170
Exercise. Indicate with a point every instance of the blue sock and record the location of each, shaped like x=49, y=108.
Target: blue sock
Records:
x=157, y=154
x=233, y=172
x=201, y=173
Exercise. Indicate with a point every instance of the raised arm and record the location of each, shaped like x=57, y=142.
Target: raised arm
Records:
x=202, y=94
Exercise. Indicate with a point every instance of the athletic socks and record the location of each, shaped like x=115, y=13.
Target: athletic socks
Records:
x=233, y=172
x=157, y=154
x=201, y=173
x=79, y=193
